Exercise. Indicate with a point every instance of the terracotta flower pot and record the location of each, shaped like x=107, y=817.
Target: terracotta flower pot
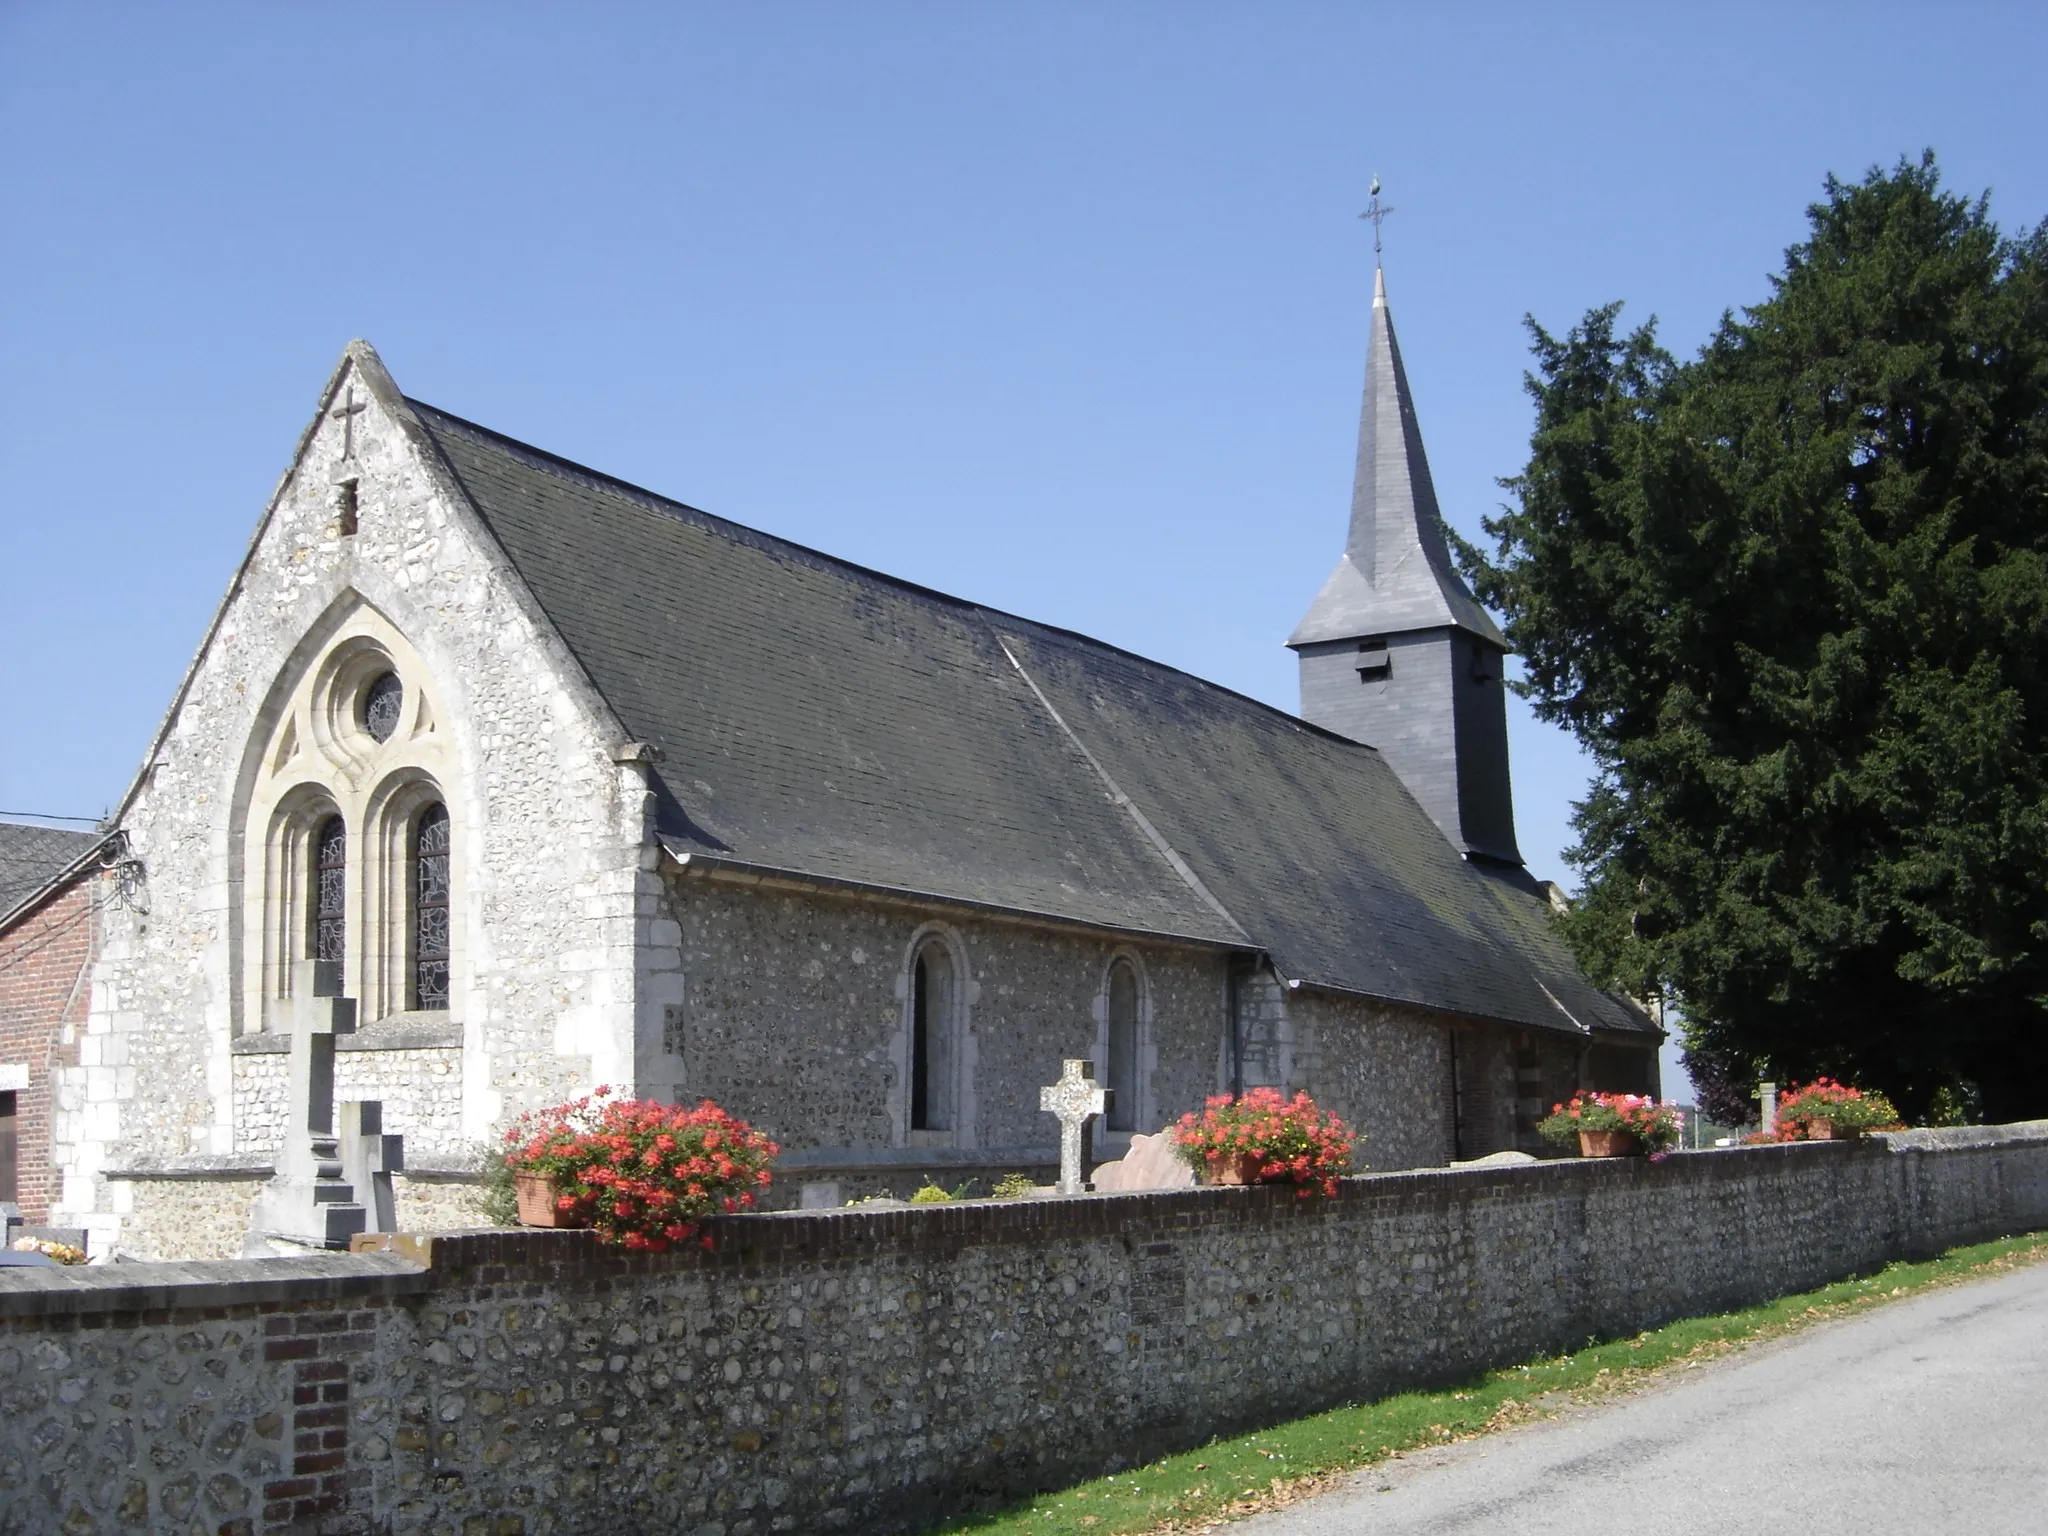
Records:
x=1609, y=1144
x=1243, y=1168
x=537, y=1208
x=1828, y=1130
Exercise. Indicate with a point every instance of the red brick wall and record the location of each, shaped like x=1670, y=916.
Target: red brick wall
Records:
x=44, y=984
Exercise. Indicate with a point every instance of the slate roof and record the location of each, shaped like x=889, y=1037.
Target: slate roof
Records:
x=827, y=721
x=31, y=857
x=1395, y=574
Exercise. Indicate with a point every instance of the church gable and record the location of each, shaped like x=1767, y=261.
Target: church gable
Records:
x=383, y=760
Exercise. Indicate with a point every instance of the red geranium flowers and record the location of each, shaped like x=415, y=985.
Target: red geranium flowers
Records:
x=646, y=1173
x=1283, y=1141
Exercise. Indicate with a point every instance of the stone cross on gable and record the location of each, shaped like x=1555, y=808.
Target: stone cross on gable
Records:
x=308, y=1202
x=346, y=413
x=1076, y=1099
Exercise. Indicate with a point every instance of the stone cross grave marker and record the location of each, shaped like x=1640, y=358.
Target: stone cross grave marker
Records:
x=308, y=1203
x=1076, y=1099
x=368, y=1159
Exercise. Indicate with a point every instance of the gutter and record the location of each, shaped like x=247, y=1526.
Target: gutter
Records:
x=744, y=872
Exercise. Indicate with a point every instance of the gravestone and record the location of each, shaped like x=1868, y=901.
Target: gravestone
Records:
x=1076, y=1099
x=368, y=1159
x=1151, y=1163
x=308, y=1203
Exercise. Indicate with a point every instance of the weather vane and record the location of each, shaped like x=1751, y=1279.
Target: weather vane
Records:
x=1376, y=213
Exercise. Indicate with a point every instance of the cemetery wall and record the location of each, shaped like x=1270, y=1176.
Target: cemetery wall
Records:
x=859, y=1370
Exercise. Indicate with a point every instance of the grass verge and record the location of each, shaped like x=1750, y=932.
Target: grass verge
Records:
x=1201, y=1489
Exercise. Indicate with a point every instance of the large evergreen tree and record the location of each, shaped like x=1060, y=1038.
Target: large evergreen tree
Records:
x=1793, y=597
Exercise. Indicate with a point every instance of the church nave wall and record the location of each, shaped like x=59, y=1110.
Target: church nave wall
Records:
x=1383, y=1067
x=796, y=1016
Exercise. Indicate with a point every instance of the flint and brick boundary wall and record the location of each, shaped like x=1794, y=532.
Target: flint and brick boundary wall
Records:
x=864, y=1371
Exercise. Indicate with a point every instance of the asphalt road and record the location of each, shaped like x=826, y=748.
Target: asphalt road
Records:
x=1927, y=1415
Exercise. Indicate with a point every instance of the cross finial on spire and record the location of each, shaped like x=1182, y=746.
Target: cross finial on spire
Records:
x=1376, y=212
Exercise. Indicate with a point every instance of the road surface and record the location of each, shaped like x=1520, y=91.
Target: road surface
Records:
x=1926, y=1415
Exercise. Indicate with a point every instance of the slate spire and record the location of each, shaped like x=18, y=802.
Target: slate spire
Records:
x=1395, y=651
x=1396, y=572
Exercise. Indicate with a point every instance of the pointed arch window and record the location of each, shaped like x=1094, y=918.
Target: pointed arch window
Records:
x=430, y=844
x=328, y=906
x=1122, y=1079
x=932, y=1074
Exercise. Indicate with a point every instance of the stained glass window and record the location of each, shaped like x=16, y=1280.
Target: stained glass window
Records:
x=330, y=905
x=430, y=908
x=381, y=703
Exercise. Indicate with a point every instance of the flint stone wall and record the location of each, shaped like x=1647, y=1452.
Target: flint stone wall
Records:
x=862, y=1371
x=178, y=1219
x=420, y=1089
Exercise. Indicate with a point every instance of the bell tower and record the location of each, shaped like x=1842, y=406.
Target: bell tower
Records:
x=1395, y=651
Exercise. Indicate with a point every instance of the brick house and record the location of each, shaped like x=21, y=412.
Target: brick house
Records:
x=49, y=934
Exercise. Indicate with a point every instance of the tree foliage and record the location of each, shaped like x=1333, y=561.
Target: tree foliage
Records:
x=1792, y=595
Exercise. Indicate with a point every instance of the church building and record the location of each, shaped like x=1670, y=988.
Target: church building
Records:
x=566, y=784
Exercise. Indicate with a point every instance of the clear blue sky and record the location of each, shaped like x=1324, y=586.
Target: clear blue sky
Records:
x=1060, y=307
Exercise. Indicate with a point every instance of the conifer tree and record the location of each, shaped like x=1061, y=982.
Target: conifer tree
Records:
x=1792, y=595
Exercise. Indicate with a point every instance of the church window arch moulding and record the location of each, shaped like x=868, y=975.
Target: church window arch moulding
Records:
x=1123, y=1044
x=937, y=1077
x=349, y=835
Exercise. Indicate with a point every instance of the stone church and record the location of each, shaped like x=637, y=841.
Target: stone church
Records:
x=566, y=783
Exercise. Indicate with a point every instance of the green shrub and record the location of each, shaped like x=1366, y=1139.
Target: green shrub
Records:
x=498, y=1203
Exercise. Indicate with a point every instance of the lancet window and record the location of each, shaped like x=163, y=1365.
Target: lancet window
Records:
x=1122, y=1066
x=329, y=905
x=430, y=908
x=932, y=1074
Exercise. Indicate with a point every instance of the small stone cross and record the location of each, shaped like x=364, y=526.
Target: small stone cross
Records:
x=346, y=413
x=1076, y=1098
x=308, y=1201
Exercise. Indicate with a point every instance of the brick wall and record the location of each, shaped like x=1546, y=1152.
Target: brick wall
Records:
x=861, y=1371
x=44, y=995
